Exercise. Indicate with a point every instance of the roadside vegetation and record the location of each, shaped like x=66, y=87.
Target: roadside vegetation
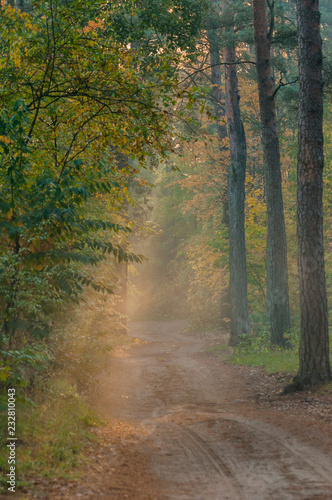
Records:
x=259, y=353
x=55, y=416
x=272, y=358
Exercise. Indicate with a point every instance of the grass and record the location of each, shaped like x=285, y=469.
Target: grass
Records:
x=219, y=347
x=258, y=352
x=272, y=361
x=52, y=436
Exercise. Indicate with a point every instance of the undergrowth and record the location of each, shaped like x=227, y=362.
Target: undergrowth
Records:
x=54, y=420
x=272, y=361
x=52, y=435
x=258, y=351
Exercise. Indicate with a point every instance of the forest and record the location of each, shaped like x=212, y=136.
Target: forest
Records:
x=166, y=176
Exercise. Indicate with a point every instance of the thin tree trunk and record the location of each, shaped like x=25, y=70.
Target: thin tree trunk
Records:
x=314, y=345
x=277, y=295
x=236, y=196
x=217, y=96
x=217, y=88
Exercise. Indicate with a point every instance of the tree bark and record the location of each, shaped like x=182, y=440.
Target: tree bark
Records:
x=217, y=88
x=218, y=98
x=236, y=197
x=277, y=295
x=314, y=344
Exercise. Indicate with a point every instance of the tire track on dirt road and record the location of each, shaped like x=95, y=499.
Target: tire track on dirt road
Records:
x=198, y=447
x=230, y=457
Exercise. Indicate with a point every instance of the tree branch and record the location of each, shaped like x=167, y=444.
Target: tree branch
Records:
x=282, y=84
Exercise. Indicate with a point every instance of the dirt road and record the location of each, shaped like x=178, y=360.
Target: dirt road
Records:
x=185, y=425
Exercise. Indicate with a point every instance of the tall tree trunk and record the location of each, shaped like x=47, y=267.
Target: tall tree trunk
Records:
x=277, y=296
x=314, y=345
x=217, y=88
x=236, y=196
x=217, y=96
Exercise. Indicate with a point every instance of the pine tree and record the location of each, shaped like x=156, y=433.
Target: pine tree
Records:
x=314, y=345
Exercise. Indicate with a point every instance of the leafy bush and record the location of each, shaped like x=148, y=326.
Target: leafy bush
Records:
x=21, y=367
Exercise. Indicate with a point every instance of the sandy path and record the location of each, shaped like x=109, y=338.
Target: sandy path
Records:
x=183, y=425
